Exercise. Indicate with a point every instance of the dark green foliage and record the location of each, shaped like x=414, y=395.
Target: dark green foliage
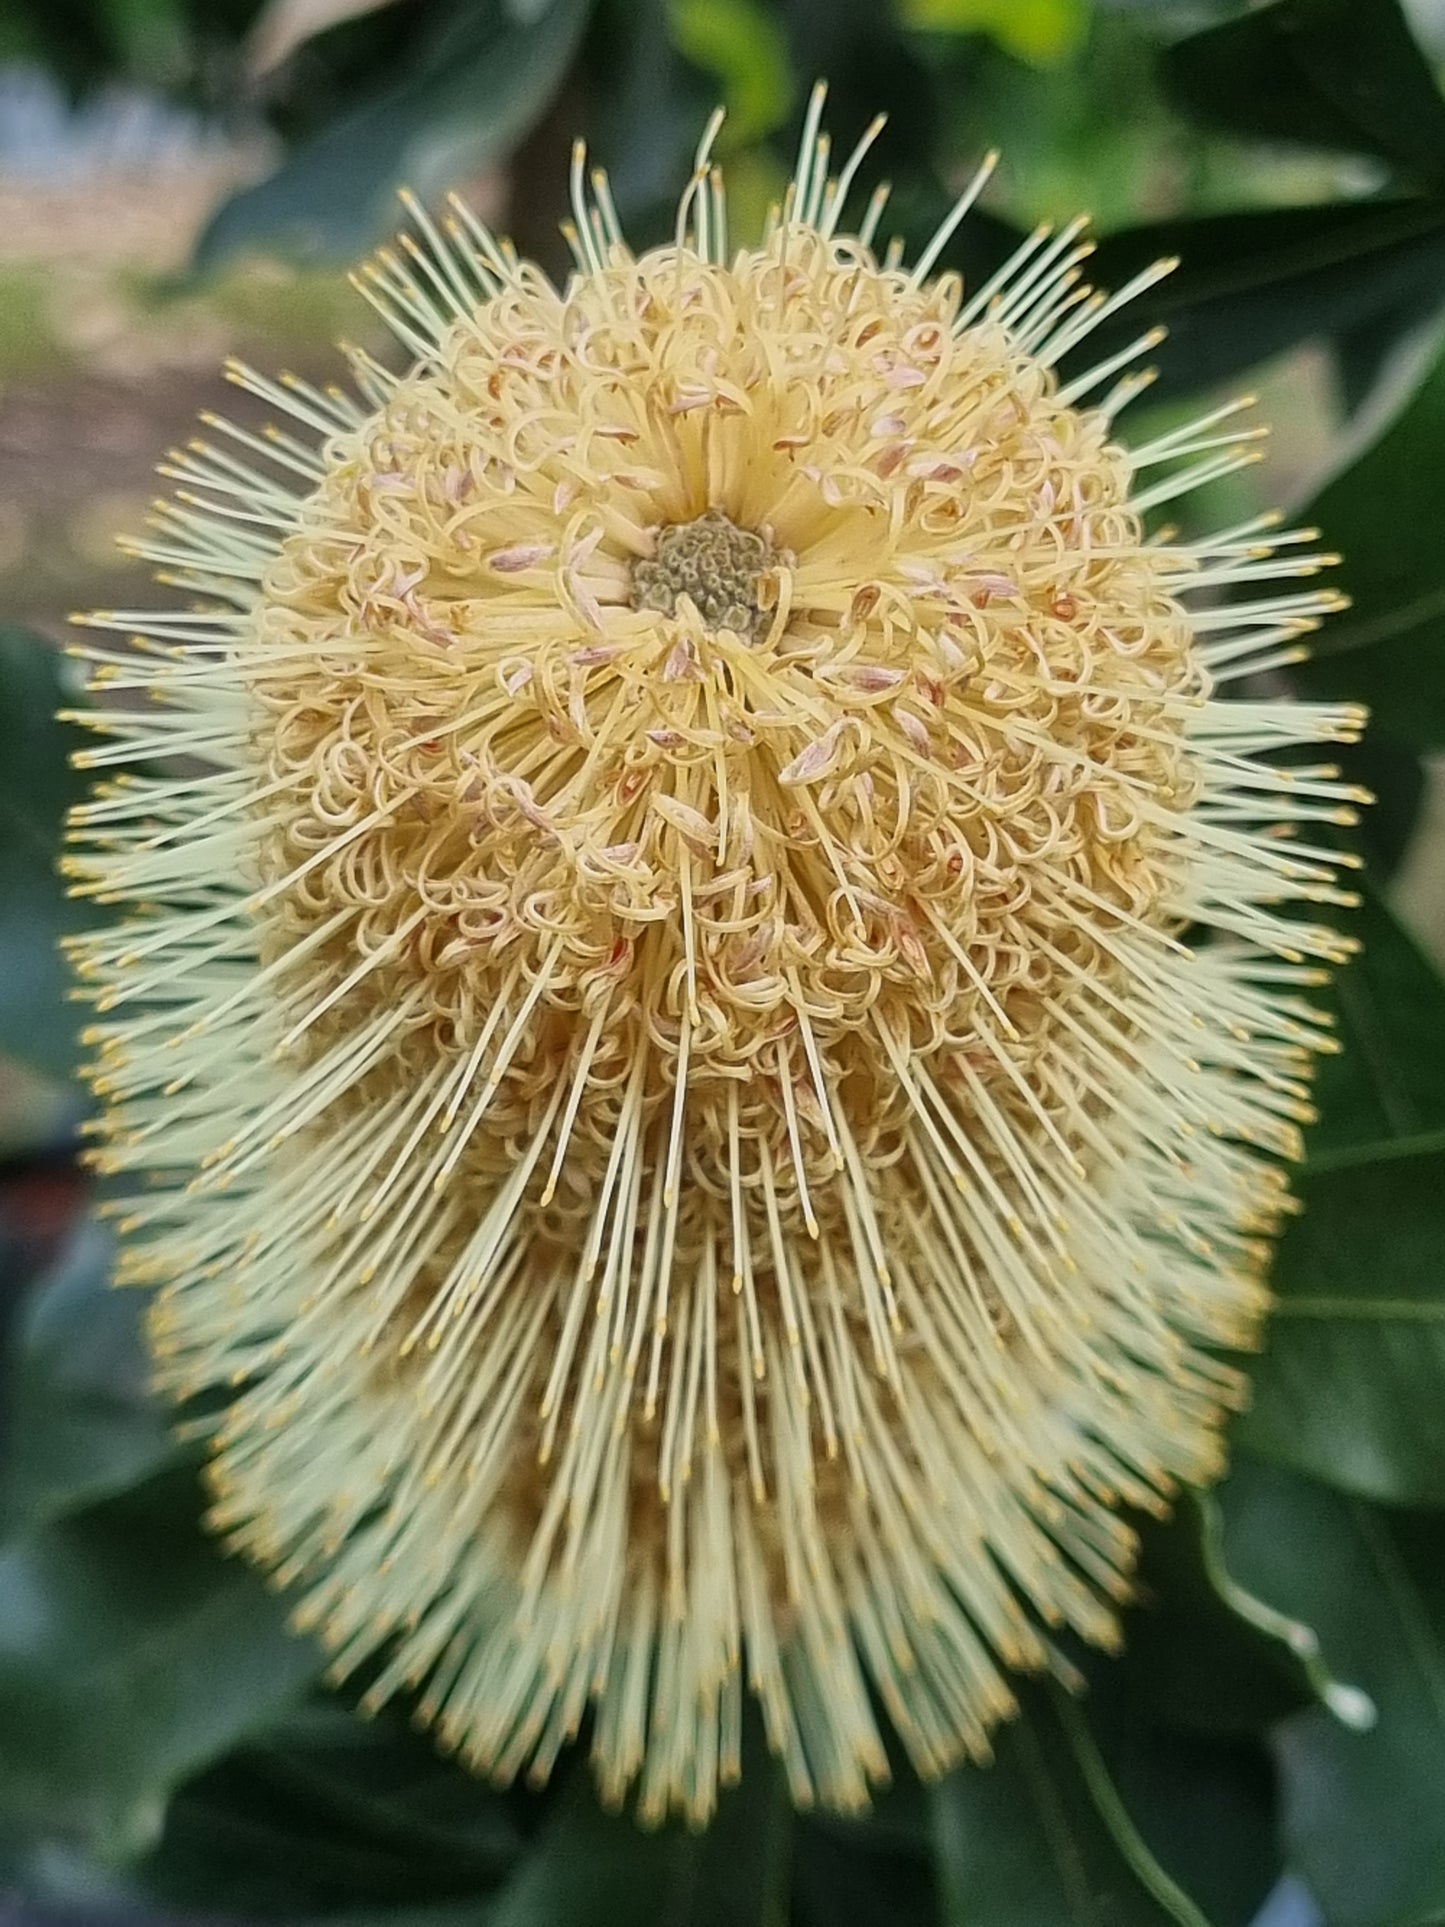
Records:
x=1325, y=73
x=1360, y=1798
x=1383, y=511
x=37, y=786
x=466, y=92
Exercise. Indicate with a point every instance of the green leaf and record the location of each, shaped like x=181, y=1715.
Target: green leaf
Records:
x=1368, y=359
x=81, y=1423
x=284, y=25
x=1362, y=1805
x=644, y=106
x=1383, y=513
x=1043, y=32
x=476, y=86
x=1395, y=776
x=592, y=1869
x=1255, y=283
x=131, y=1654
x=1383, y=1093
x=1198, y=1810
x=1200, y=1651
x=37, y=786
x=741, y=44
x=875, y=1871
x=597, y=1870
x=1330, y=73
x=1205, y=1807
x=327, y=1813
x=872, y=68
x=1043, y=1835
x=1351, y=1386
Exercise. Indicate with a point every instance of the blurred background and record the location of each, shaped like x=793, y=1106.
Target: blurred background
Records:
x=185, y=179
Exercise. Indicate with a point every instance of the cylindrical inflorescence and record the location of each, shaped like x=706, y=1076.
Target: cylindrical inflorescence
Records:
x=710, y=1001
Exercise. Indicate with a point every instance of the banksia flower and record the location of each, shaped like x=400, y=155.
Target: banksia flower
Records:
x=709, y=997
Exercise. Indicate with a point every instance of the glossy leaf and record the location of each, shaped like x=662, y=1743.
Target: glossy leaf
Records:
x=1361, y=1805
x=1255, y=283
x=1383, y=514
x=1205, y=1808
x=871, y=68
x=1330, y=73
x=131, y=1654
x=326, y=1813
x=285, y=25
x=1394, y=775
x=645, y=107
x=477, y=84
x=37, y=786
x=1351, y=1386
x=81, y=1422
x=1043, y=1835
x=1200, y=1651
x=1383, y=1093
x=1368, y=357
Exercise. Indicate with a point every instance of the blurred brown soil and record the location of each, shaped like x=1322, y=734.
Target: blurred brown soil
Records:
x=107, y=357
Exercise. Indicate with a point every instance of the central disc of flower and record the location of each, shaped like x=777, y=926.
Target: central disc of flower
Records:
x=720, y=566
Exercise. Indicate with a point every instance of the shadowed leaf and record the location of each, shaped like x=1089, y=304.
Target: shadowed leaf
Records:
x=1328, y=73
x=1351, y=1386
x=476, y=86
x=1383, y=513
x=1361, y=1803
x=131, y=1654
x=82, y=1424
x=37, y=786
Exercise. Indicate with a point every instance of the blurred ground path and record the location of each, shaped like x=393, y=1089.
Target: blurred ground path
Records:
x=107, y=352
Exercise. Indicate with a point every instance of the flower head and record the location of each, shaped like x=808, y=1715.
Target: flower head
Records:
x=665, y=1016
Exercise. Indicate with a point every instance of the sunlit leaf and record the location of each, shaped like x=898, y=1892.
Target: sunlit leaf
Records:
x=742, y=44
x=1041, y=31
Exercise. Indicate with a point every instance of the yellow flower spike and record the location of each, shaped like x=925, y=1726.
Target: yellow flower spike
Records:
x=654, y=997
